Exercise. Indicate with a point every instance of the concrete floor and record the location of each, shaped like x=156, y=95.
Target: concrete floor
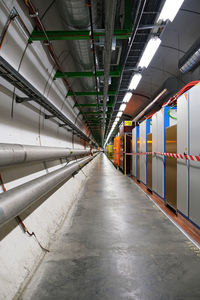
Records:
x=120, y=246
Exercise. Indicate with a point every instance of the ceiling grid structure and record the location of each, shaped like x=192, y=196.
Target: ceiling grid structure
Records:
x=104, y=50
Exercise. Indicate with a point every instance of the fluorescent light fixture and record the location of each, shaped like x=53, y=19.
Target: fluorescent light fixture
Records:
x=149, y=52
x=135, y=81
x=122, y=107
x=170, y=10
x=120, y=113
x=127, y=97
x=117, y=119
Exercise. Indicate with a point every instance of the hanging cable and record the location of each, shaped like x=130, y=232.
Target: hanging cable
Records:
x=89, y=5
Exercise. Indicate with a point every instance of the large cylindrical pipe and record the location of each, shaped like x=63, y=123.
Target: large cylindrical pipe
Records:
x=18, y=199
x=11, y=154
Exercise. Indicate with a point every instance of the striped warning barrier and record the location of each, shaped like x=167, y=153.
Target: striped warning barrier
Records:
x=181, y=156
x=172, y=155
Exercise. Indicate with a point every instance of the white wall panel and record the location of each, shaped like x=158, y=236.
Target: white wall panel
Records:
x=194, y=137
x=158, y=146
x=154, y=148
x=143, y=149
x=182, y=146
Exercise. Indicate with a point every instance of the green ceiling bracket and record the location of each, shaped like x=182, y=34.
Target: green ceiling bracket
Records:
x=90, y=93
x=109, y=104
x=94, y=112
x=75, y=35
x=84, y=74
x=128, y=15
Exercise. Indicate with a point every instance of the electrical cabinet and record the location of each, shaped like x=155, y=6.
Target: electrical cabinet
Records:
x=125, y=145
x=143, y=145
x=182, y=147
x=133, y=169
x=194, y=149
x=171, y=167
x=117, y=151
x=188, y=141
x=158, y=146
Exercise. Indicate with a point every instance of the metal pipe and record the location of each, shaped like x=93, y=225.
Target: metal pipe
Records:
x=141, y=114
x=18, y=199
x=110, y=12
x=93, y=49
x=11, y=154
x=139, y=12
x=33, y=12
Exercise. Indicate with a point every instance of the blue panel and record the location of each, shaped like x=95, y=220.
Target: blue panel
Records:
x=148, y=121
x=137, y=136
x=166, y=116
x=137, y=131
x=166, y=124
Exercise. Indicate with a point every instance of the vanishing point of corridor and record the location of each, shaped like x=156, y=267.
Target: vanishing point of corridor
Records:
x=119, y=246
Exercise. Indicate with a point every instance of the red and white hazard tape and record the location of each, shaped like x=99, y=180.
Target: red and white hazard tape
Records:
x=172, y=155
x=140, y=153
x=181, y=156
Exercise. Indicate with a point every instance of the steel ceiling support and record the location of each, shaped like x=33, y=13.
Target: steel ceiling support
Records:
x=94, y=112
x=93, y=49
x=93, y=105
x=139, y=13
x=128, y=15
x=90, y=93
x=110, y=12
x=76, y=35
x=85, y=74
x=18, y=199
x=39, y=25
x=17, y=80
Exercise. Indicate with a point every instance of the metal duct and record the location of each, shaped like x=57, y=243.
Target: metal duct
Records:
x=75, y=16
x=11, y=154
x=110, y=11
x=18, y=199
x=191, y=59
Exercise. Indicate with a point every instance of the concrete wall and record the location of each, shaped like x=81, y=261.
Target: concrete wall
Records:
x=25, y=124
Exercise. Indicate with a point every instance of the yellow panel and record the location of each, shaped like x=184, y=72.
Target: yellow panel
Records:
x=128, y=123
x=171, y=166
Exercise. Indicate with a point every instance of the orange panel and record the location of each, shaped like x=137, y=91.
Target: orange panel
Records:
x=117, y=150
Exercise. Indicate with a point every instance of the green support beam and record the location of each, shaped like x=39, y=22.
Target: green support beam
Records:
x=84, y=74
x=93, y=93
x=93, y=112
x=128, y=17
x=93, y=105
x=75, y=35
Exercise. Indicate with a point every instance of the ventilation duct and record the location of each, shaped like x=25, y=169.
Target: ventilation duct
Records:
x=191, y=59
x=75, y=16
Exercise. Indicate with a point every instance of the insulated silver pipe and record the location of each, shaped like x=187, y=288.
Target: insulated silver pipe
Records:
x=110, y=12
x=11, y=154
x=18, y=199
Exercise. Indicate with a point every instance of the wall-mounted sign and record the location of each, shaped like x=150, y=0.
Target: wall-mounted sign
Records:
x=128, y=123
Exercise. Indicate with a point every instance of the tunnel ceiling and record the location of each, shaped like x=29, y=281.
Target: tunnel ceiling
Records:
x=99, y=45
